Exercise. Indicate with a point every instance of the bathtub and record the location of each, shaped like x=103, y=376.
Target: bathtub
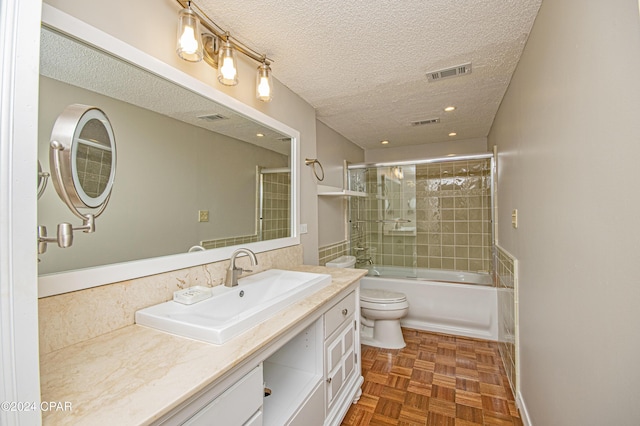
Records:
x=450, y=302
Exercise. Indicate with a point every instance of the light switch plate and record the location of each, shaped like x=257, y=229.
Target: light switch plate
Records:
x=303, y=228
x=203, y=215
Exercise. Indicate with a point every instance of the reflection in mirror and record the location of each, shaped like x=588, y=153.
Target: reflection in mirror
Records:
x=93, y=158
x=191, y=172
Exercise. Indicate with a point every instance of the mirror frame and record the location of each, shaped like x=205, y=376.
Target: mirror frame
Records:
x=63, y=282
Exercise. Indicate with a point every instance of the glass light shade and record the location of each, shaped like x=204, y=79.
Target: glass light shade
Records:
x=189, y=45
x=227, y=65
x=264, y=83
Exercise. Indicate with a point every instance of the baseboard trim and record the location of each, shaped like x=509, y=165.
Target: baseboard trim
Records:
x=524, y=414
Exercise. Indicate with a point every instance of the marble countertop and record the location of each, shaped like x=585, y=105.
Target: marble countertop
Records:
x=136, y=374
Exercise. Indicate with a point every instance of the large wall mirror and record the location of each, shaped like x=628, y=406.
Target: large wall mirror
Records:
x=195, y=167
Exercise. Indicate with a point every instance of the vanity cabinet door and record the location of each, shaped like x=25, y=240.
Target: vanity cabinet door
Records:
x=339, y=360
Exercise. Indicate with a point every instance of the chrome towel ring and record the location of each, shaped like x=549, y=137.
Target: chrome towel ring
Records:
x=312, y=162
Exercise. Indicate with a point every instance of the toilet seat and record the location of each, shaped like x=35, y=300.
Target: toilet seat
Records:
x=381, y=296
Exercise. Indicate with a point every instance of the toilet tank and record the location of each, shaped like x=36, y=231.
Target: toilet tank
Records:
x=342, y=262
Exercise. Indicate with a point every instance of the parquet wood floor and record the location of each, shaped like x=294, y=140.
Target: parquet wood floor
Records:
x=436, y=380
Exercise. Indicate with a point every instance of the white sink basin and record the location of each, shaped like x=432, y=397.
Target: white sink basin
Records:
x=232, y=311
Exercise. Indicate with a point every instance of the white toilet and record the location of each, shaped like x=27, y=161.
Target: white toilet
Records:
x=381, y=311
x=380, y=320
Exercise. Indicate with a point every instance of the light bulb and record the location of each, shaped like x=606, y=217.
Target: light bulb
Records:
x=228, y=69
x=264, y=90
x=264, y=83
x=188, y=41
x=227, y=66
x=189, y=44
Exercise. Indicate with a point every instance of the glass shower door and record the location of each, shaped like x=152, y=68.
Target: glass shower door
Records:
x=383, y=224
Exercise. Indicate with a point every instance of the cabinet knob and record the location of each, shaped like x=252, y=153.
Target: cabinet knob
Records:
x=329, y=380
x=345, y=311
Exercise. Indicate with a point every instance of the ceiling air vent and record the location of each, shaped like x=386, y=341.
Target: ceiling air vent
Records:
x=423, y=122
x=212, y=117
x=449, y=72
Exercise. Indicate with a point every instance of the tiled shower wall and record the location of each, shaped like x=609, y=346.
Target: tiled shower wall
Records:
x=451, y=215
x=454, y=215
x=507, y=275
x=276, y=188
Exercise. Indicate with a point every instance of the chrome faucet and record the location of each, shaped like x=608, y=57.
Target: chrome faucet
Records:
x=233, y=272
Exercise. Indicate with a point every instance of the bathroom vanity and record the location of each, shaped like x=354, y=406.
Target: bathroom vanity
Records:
x=307, y=355
x=300, y=380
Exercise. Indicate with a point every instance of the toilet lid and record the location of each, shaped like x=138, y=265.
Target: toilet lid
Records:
x=381, y=296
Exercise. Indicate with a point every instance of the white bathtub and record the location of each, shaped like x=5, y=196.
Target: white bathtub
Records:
x=446, y=302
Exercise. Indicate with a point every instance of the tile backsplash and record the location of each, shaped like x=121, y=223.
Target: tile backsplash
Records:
x=332, y=251
x=69, y=318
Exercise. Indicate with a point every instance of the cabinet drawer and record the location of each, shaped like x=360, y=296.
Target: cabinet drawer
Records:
x=339, y=313
x=236, y=405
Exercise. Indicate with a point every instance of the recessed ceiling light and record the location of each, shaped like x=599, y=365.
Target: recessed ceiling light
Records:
x=452, y=134
x=384, y=142
x=259, y=135
x=450, y=108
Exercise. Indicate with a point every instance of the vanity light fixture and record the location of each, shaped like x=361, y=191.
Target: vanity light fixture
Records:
x=227, y=64
x=189, y=46
x=201, y=38
x=264, y=83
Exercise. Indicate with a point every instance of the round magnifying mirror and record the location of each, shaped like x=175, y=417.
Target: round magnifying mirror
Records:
x=83, y=157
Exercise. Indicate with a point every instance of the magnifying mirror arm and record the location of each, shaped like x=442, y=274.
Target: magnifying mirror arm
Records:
x=64, y=234
x=43, y=179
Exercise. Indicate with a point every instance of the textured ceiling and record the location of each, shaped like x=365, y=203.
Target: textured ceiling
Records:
x=363, y=64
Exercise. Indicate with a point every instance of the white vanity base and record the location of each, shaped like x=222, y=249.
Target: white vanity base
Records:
x=313, y=373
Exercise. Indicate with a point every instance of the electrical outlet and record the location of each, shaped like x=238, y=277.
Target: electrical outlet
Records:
x=203, y=215
x=514, y=218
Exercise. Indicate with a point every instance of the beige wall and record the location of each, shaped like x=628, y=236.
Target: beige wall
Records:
x=333, y=149
x=568, y=133
x=428, y=150
x=149, y=25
